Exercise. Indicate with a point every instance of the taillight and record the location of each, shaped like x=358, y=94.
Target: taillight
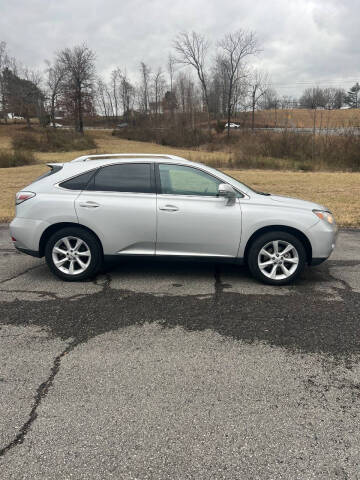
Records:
x=22, y=196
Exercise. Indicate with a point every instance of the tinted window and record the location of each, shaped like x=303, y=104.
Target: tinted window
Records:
x=53, y=169
x=128, y=177
x=180, y=180
x=78, y=183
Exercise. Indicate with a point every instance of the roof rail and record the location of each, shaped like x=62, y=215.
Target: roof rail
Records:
x=85, y=158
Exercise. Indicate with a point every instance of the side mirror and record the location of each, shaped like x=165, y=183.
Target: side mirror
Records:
x=225, y=190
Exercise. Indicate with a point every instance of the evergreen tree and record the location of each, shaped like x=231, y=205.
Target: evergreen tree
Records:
x=23, y=97
x=352, y=97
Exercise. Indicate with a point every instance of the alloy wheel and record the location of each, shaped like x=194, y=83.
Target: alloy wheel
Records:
x=71, y=255
x=278, y=259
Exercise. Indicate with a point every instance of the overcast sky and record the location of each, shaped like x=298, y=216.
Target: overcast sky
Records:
x=302, y=41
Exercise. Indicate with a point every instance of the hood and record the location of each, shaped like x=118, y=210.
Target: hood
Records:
x=296, y=202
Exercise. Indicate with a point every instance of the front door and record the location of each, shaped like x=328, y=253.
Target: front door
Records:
x=119, y=205
x=191, y=219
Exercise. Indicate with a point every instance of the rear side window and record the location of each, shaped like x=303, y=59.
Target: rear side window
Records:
x=78, y=183
x=127, y=177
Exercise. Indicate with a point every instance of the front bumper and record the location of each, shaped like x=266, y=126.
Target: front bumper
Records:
x=322, y=237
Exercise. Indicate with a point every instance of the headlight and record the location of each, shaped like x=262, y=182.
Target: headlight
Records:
x=325, y=215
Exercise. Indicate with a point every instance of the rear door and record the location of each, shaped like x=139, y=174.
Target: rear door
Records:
x=191, y=219
x=119, y=205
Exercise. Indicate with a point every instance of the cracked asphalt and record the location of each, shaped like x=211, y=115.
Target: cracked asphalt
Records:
x=179, y=371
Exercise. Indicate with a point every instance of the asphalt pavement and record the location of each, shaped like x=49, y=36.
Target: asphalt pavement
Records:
x=179, y=371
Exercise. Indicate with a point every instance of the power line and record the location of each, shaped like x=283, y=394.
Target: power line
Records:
x=338, y=82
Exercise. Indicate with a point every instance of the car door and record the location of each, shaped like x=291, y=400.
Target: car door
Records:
x=119, y=205
x=191, y=218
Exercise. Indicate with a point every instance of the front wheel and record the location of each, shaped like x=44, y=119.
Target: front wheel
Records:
x=276, y=258
x=73, y=254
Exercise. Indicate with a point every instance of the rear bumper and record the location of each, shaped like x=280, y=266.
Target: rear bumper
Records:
x=27, y=233
x=33, y=253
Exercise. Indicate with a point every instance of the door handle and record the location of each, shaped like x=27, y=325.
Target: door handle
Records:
x=169, y=208
x=89, y=204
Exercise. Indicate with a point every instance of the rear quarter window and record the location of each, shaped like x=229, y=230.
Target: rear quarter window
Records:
x=79, y=182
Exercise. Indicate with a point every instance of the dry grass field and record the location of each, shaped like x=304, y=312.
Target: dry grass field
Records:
x=304, y=118
x=340, y=191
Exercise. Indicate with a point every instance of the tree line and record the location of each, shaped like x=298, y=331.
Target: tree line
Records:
x=201, y=81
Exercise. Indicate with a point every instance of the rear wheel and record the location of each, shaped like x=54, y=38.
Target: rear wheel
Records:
x=276, y=258
x=73, y=254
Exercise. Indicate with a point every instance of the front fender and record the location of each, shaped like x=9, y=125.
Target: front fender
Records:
x=256, y=217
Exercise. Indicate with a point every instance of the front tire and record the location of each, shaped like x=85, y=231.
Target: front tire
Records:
x=276, y=258
x=73, y=254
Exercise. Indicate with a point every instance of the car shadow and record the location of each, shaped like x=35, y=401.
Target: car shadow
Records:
x=302, y=318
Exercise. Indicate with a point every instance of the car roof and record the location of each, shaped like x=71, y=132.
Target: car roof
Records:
x=105, y=159
x=89, y=162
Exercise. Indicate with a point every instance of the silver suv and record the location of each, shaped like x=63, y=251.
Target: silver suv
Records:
x=100, y=206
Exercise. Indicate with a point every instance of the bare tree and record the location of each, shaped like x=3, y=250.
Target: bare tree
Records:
x=54, y=83
x=144, y=88
x=102, y=98
x=78, y=64
x=116, y=77
x=3, y=63
x=6, y=62
x=258, y=88
x=171, y=70
x=127, y=95
x=334, y=98
x=158, y=89
x=313, y=98
x=234, y=48
x=192, y=49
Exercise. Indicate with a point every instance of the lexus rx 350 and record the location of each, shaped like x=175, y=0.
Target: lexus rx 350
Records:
x=101, y=206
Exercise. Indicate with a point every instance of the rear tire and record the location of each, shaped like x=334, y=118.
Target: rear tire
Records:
x=276, y=258
x=73, y=254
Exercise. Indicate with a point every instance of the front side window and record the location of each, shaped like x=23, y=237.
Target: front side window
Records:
x=126, y=177
x=181, y=180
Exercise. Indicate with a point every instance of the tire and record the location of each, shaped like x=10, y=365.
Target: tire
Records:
x=77, y=247
x=280, y=269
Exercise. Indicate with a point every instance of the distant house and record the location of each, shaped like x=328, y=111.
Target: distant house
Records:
x=13, y=116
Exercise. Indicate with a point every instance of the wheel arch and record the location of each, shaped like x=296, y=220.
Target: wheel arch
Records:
x=281, y=228
x=57, y=226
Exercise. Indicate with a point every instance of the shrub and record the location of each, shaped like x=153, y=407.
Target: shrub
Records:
x=16, y=158
x=56, y=140
x=175, y=136
x=290, y=150
x=53, y=140
x=25, y=141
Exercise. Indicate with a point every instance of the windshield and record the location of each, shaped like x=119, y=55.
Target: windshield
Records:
x=241, y=184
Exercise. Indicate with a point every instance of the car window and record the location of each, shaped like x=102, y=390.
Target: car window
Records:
x=127, y=177
x=181, y=180
x=53, y=169
x=79, y=182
